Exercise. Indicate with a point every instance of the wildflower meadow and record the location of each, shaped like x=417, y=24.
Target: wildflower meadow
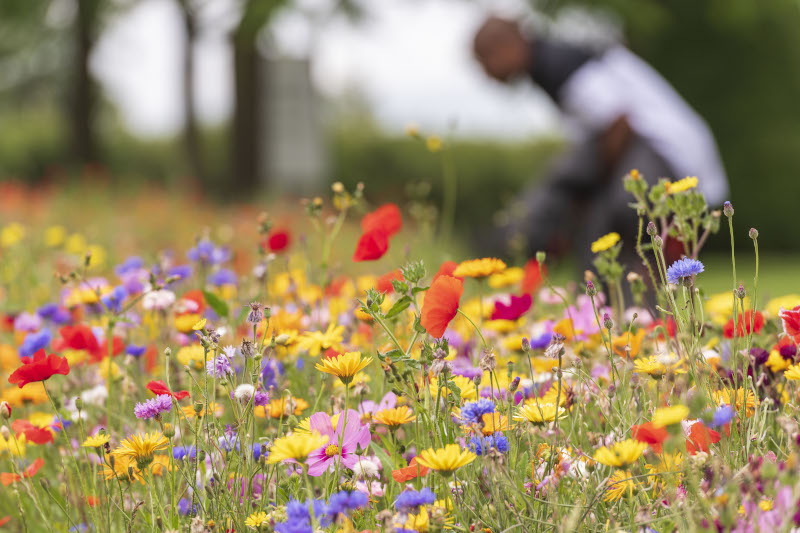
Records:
x=272, y=374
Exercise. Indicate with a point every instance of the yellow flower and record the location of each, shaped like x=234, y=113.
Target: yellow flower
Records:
x=108, y=368
x=618, y=485
x=666, y=416
x=186, y=323
x=14, y=445
x=605, y=242
x=656, y=367
x=719, y=307
x=494, y=422
x=191, y=356
x=315, y=342
x=468, y=390
x=54, y=236
x=190, y=413
x=11, y=234
x=504, y=279
x=622, y=344
x=725, y=397
x=344, y=366
x=395, y=417
x=95, y=441
x=446, y=460
x=622, y=453
x=199, y=325
x=689, y=182
x=777, y=363
x=793, y=373
x=790, y=301
x=479, y=268
x=295, y=447
x=256, y=519
x=433, y=143
x=280, y=408
x=539, y=413
x=141, y=448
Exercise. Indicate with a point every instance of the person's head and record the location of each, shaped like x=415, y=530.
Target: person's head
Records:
x=502, y=49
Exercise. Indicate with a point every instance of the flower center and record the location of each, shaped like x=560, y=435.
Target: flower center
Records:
x=332, y=450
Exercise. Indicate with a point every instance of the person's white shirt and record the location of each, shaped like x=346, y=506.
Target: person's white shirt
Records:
x=619, y=83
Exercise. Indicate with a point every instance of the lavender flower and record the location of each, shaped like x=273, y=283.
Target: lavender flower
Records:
x=684, y=268
x=219, y=367
x=153, y=407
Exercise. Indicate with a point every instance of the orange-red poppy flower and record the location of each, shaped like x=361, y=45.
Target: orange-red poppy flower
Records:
x=41, y=368
x=32, y=433
x=651, y=435
x=790, y=318
x=401, y=475
x=278, y=240
x=78, y=337
x=700, y=438
x=8, y=478
x=159, y=387
x=372, y=245
x=752, y=325
x=446, y=269
x=387, y=218
x=441, y=305
x=384, y=283
x=533, y=277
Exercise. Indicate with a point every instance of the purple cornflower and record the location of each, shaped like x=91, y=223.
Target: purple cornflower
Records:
x=153, y=407
x=684, y=268
x=411, y=500
x=219, y=367
x=473, y=411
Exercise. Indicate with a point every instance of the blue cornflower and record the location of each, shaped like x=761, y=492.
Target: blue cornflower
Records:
x=722, y=416
x=134, y=350
x=228, y=442
x=343, y=502
x=472, y=412
x=34, y=342
x=206, y=252
x=131, y=264
x=183, y=452
x=223, y=276
x=185, y=507
x=480, y=446
x=180, y=271
x=113, y=300
x=683, y=268
x=411, y=500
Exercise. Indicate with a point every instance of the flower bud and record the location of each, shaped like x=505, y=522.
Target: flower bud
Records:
x=5, y=433
x=167, y=352
x=740, y=292
x=591, y=290
x=651, y=228
x=78, y=403
x=169, y=431
x=658, y=241
x=5, y=409
x=607, y=322
x=477, y=380
x=753, y=233
x=541, y=256
x=526, y=344
x=727, y=209
x=514, y=385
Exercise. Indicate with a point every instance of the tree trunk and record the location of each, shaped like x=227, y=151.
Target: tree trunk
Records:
x=83, y=97
x=248, y=134
x=191, y=137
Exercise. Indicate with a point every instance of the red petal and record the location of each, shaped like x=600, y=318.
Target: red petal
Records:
x=441, y=305
x=387, y=218
x=371, y=246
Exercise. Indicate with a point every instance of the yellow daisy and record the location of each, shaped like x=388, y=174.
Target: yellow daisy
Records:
x=141, y=448
x=315, y=342
x=295, y=447
x=689, y=182
x=619, y=484
x=622, y=453
x=605, y=242
x=394, y=417
x=666, y=416
x=792, y=373
x=506, y=278
x=479, y=268
x=343, y=366
x=446, y=460
x=95, y=441
x=539, y=413
x=256, y=519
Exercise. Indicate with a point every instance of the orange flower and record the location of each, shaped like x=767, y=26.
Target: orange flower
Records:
x=651, y=435
x=7, y=479
x=446, y=269
x=441, y=305
x=619, y=344
x=401, y=475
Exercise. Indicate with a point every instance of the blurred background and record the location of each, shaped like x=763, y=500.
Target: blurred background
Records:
x=228, y=99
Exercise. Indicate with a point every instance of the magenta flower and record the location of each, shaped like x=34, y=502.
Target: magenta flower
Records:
x=368, y=408
x=353, y=435
x=517, y=306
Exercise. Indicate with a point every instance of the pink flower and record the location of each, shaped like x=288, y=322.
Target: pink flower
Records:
x=367, y=408
x=352, y=436
x=517, y=307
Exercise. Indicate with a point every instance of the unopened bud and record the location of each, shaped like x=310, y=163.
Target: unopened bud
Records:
x=167, y=352
x=514, y=385
x=753, y=233
x=658, y=241
x=78, y=403
x=651, y=228
x=591, y=290
x=727, y=209
x=4, y=431
x=477, y=380
x=607, y=322
x=282, y=339
x=541, y=256
x=169, y=431
x=5, y=409
x=740, y=292
x=526, y=344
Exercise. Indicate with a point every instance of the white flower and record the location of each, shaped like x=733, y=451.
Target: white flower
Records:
x=244, y=392
x=365, y=468
x=160, y=299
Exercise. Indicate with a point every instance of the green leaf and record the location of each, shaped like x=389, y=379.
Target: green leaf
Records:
x=219, y=307
x=398, y=307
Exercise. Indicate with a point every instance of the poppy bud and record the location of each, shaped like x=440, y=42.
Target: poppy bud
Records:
x=78, y=403
x=541, y=256
x=5, y=409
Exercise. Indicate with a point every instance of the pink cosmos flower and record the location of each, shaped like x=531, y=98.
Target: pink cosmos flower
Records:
x=353, y=435
x=368, y=408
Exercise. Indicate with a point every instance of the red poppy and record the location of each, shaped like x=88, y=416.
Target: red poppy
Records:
x=533, y=277
x=651, y=435
x=446, y=269
x=5, y=520
x=791, y=322
x=79, y=338
x=159, y=387
x=193, y=302
x=519, y=306
x=401, y=475
x=371, y=246
x=32, y=433
x=387, y=218
x=277, y=241
x=7, y=479
x=41, y=368
x=749, y=323
x=384, y=283
x=334, y=288
x=700, y=438
x=330, y=353
x=671, y=329
x=441, y=305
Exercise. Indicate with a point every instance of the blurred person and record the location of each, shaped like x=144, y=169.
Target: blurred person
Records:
x=625, y=116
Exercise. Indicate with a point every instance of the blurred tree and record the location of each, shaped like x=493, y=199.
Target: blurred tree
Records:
x=191, y=140
x=83, y=95
x=738, y=63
